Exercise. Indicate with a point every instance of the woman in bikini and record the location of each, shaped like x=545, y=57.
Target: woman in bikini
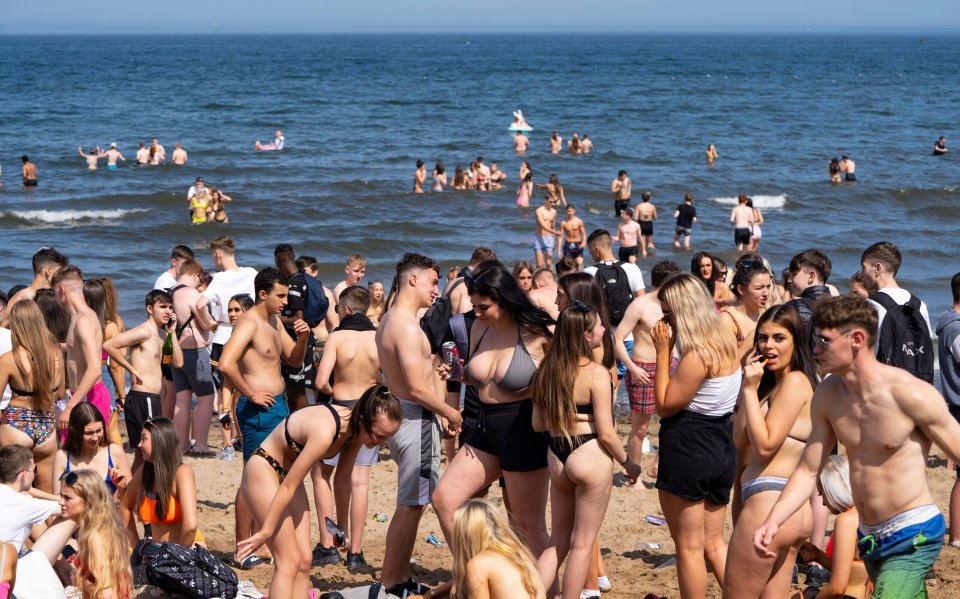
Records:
x=573, y=402
x=34, y=371
x=773, y=423
x=375, y=312
x=87, y=448
x=525, y=191
x=439, y=177
x=217, y=211
x=694, y=404
x=459, y=178
x=102, y=560
x=554, y=189
x=507, y=342
x=751, y=287
x=272, y=482
x=163, y=492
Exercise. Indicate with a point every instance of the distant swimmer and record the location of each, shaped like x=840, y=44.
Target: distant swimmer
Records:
x=586, y=145
x=645, y=213
x=556, y=143
x=940, y=148
x=179, y=155
x=497, y=176
x=198, y=201
x=554, y=189
x=711, y=154
x=621, y=188
x=520, y=143
x=92, y=157
x=834, y=170
x=439, y=176
x=525, y=169
x=113, y=154
x=848, y=168
x=741, y=217
x=29, y=172
x=525, y=191
x=574, y=146
x=419, y=177
x=217, y=211
x=157, y=152
x=277, y=144
x=686, y=215
x=143, y=154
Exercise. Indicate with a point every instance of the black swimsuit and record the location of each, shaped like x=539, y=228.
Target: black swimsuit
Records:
x=295, y=447
x=559, y=445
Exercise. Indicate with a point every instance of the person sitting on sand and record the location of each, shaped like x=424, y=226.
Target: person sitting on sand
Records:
x=273, y=478
x=163, y=493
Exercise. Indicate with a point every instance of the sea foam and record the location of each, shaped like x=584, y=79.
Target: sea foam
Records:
x=777, y=201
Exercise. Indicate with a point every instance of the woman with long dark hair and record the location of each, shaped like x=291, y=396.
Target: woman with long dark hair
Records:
x=87, y=447
x=751, y=287
x=508, y=340
x=773, y=418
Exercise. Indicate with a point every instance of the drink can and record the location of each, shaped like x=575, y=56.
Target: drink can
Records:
x=452, y=357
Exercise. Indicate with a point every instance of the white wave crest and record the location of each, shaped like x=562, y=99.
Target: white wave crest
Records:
x=777, y=201
x=71, y=216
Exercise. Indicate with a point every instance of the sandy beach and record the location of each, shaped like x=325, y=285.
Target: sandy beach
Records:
x=632, y=571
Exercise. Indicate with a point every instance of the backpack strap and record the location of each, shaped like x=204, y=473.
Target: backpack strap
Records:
x=885, y=300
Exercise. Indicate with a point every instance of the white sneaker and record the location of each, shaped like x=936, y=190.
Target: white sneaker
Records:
x=246, y=590
x=226, y=454
x=647, y=447
x=604, y=583
x=589, y=594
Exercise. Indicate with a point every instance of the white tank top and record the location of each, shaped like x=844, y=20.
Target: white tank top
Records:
x=716, y=396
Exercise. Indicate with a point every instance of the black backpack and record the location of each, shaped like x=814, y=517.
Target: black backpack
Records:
x=436, y=319
x=616, y=289
x=904, y=337
x=316, y=305
x=195, y=573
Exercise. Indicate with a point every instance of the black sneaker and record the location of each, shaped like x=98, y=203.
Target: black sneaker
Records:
x=325, y=556
x=402, y=591
x=355, y=561
x=817, y=576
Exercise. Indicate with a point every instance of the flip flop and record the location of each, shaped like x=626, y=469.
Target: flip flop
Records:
x=250, y=562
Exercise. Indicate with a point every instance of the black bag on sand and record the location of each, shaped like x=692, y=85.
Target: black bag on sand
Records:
x=144, y=553
x=194, y=573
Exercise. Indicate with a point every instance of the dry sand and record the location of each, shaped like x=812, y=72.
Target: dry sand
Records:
x=632, y=571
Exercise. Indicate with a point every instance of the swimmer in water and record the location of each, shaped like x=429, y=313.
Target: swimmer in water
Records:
x=711, y=154
x=113, y=154
x=92, y=158
x=419, y=177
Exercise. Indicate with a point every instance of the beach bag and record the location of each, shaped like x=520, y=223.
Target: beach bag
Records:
x=194, y=573
x=316, y=305
x=144, y=553
x=904, y=338
x=616, y=289
x=437, y=318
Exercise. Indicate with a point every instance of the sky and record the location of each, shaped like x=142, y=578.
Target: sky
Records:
x=483, y=16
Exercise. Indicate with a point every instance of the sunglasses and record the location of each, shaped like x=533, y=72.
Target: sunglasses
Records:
x=580, y=306
x=744, y=264
x=69, y=478
x=822, y=342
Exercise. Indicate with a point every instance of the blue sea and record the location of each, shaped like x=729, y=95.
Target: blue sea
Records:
x=358, y=111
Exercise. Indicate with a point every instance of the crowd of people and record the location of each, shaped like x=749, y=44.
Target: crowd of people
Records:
x=754, y=384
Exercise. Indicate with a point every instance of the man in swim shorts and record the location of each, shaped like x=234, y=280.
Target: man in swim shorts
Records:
x=179, y=155
x=113, y=154
x=686, y=215
x=520, y=143
x=848, y=168
x=886, y=419
x=642, y=314
x=146, y=343
x=546, y=232
x=628, y=234
x=573, y=235
x=741, y=217
x=645, y=213
x=29, y=172
x=621, y=188
x=410, y=370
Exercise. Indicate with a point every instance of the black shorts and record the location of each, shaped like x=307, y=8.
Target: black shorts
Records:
x=302, y=376
x=619, y=205
x=698, y=460
x=572, y=249
x=29, y=182
x=138, y=408
x=506, y=432
x=623, y=254
x=741, y=236
x=470, y=413
x=646, y=227
x=216, y=350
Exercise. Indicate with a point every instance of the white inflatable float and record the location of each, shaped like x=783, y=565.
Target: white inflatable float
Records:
x=519, y=123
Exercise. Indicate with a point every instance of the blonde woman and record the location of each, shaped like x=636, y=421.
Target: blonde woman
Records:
x=573, y=401
x=34, y=371
x=698, y=459
x=376, y=301
x=103, y=557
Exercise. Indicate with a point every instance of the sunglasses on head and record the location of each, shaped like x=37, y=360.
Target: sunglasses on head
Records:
x=744, y=264
x=580, y=306
x=69, y=478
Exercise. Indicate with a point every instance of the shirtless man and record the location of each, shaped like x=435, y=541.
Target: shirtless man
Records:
x=621, y=188
x=848, y=168
x=520, y=143
x=573, y=236
x=419, y=177
x=741, y=217
x=457, y=293
x=146, y=348
x=113, y=154
x=639, y=319
x=143, y=155
x=586, y=145
x=556, y=143
x=195, y=376
x=410, y=371
x=157, y=152
x=354, y=270
x=546, y=233
x=544, y=292
x=886, y=419
x=29, y=172
x=351, y=356
x=84, y=342
x=92, y=158
x=628, y=234
x=645, y=213
x=179, y=155
x=46, y=262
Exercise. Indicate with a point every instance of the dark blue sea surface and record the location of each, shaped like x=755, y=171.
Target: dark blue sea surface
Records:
x=358, y=111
